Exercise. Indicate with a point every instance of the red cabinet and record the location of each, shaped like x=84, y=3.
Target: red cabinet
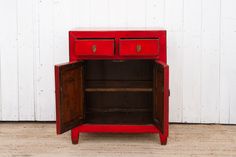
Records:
x=116, y=81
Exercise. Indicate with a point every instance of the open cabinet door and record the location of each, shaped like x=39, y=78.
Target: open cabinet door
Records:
x=69, y=96
x=161, y=96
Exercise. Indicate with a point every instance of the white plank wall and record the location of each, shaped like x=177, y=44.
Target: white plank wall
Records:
x=9, y=60
x=26, y=48
x=201, y=52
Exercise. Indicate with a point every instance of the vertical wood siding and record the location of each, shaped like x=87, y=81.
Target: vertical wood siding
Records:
x=201, y=52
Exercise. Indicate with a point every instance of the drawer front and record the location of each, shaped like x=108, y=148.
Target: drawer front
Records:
x=139, y=47
x=94, y=47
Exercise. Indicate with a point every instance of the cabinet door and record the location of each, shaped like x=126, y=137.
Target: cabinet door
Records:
x=69, y=96
x=161, y=95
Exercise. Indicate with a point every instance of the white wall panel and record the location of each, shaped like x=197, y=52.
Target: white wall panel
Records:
x=155, y=13
x=210, y=67
x=45, y=104
x=99, y=13
x=174, y=26
x=61, y=24
x=227, y=62
x=9, y=60
x=80, y=13
x=26, y=53
x=200, y=42
x=192, y=55
x=136, y=13
x=118, y=18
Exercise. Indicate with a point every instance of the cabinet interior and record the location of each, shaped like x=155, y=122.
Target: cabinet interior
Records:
x=118, y=92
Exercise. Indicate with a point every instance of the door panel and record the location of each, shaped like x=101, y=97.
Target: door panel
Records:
x=69, y=95
x=161, y=95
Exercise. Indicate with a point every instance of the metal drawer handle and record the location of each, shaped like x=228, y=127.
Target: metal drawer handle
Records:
x=94, y=48
x=138, y=48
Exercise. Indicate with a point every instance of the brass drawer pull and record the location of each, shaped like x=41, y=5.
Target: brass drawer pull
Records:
x=94, y=48
x=138, y=48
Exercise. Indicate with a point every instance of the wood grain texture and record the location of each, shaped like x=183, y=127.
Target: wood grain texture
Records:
x=69, y=95
x=200, y=44
x=19, y=139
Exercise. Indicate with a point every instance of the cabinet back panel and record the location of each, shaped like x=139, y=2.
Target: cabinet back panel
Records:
x=120, y=107
x=127, y=100
x=115, y=70
x=119, y=117
x=118, y=84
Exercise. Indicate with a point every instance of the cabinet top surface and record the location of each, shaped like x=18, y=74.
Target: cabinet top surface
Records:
x=119, y=29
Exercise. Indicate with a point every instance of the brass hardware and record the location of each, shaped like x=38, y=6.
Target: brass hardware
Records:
x=138, y=48
x=94, y=48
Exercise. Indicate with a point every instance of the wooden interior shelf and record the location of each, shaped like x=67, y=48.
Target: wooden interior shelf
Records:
x=118, y=90
x=126, y=110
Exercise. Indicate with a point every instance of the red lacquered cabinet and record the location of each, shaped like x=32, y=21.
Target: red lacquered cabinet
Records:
x=116, y=81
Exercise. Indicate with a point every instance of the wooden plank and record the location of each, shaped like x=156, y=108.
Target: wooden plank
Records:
x=9, y=60
x=118, y=89
x=135, y=12
x=210, y=98
x=174, y=25
x=155, y=13
x=80, y=11
x=99, y=13
x=0, y=81
x=63, y=22
x=118, y=18
x=184, y=52
x=192, y=61
x=184, y=141
x=174, y=15
x=26, y=49
x=45, y=104
x=227, y=63
x=175, y=61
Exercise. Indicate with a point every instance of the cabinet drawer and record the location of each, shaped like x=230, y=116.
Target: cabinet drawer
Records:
x=94, y=47
x=139, y=47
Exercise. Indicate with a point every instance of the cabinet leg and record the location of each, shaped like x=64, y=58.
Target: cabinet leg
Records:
x=75, y=136
x=163, y=139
